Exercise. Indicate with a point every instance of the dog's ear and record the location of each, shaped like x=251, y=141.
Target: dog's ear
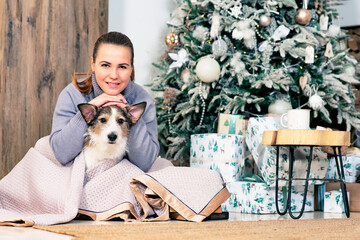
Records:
x=88, y=111
x=134, y=112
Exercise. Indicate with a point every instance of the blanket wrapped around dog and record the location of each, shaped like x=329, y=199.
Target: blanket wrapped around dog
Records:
x=39, y=190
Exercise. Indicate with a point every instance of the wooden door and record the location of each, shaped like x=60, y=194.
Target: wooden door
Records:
x=42, y=43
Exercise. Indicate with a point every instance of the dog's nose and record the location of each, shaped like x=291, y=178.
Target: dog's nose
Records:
x=112, y=137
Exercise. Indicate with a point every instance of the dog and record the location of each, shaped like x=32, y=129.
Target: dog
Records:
x=108, y=131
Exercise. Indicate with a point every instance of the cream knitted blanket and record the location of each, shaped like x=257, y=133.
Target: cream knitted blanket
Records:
x=39, y=190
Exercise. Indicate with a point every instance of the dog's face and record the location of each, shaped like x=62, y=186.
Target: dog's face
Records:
x=109, y=125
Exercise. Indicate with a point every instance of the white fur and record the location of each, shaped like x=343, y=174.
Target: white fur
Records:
x=99, y=148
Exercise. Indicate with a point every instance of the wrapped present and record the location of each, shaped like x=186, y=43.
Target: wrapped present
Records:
x=333, y=201
x=351, y=165
x=221, y=152
x=259, y=198
x=232, y=124
x=265, y=156
x=354, y=192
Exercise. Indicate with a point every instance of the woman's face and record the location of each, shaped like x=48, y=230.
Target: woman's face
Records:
x=112, y=68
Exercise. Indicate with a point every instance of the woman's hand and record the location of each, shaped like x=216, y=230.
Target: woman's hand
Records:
x=104, y=100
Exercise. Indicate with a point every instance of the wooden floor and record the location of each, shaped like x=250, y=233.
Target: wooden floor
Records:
x=10, y=233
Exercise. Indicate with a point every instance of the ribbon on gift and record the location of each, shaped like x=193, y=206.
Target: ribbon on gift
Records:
x=250, y=177
x=232, y=127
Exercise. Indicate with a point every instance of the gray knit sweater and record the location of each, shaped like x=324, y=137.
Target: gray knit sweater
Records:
x=69, y=127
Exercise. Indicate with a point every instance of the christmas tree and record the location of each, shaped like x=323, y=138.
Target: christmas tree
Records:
x=251, y=57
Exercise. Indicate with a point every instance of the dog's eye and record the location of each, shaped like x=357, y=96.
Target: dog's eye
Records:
x=120, y=121
x=103, y=120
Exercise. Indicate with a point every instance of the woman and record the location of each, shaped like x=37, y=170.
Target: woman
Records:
x=111, y=83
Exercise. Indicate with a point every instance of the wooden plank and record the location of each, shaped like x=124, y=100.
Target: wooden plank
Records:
x=42, y=44
x=301, y=137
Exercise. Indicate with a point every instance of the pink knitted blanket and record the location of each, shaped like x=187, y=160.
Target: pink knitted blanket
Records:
x=39, y=190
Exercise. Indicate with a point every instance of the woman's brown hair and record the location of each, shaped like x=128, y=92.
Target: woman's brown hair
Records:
x=116, y=38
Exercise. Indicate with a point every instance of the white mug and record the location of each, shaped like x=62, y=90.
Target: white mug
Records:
x=296, y=119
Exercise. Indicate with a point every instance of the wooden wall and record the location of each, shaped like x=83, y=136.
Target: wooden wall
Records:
x=42, y=43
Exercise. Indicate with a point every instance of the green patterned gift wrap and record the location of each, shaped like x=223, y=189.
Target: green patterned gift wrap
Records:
x=333, y=201
x=232, y=124
x=258, y=198
x=351, y=165
x=265, y=156
x=221, y=152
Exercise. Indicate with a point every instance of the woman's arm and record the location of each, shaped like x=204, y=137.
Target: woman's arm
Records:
x=68, y=126
x=143, y=145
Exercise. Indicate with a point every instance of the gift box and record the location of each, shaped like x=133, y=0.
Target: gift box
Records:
x=259, y=198
x=352, y=188
x=351, y=165
x=333, y=201
x=232, y=124
x=265, y=156
x=221, y=152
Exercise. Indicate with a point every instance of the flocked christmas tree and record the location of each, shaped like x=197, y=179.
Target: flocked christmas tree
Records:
x=251, y=57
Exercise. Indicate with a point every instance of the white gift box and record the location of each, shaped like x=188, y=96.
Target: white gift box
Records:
x=265, y=156
x=333, y=201
x=259, y=198
x=224, y=153
x=351, y=165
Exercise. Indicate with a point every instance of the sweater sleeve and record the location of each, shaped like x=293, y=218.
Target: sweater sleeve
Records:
x=143, y=145
x=68, y=127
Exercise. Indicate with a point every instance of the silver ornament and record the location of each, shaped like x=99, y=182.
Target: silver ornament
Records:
x=219, y=47
x=264, y=20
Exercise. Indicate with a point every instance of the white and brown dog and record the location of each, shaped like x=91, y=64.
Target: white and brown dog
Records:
x=108, y=130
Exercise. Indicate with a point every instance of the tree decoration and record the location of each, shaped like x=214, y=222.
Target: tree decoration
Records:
x=264, y=20
x=219, y=47
x=241, y=80
x=179, y=58
x=324, y=22
x=280, y=32
x=303, y=15
x=303, y=81
x=207, y=69
x=185, y=75
x=280, y=104
x=172, y=40
x=329, y=50
x=309, y=54
x=169, y=96
x=243, y=30
x=315, y=101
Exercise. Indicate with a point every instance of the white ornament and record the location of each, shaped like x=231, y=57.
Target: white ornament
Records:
x=280, y=32
x=324, y=21
x=309, y=54
x=279, y=106
x=315, y=101
x=244, y=31
x=236, y=11
x=329, y=50
x=215, y=25
x=201, y=33
x=179, y=58
x=219, y=48
x=207, y=70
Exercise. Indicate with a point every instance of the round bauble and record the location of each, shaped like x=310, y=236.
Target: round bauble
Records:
x=172, y=40
x=185, y=75
x=219, y=48
x=303, y=16
x=264, y=20
x=207, y=70
x=279, y=106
